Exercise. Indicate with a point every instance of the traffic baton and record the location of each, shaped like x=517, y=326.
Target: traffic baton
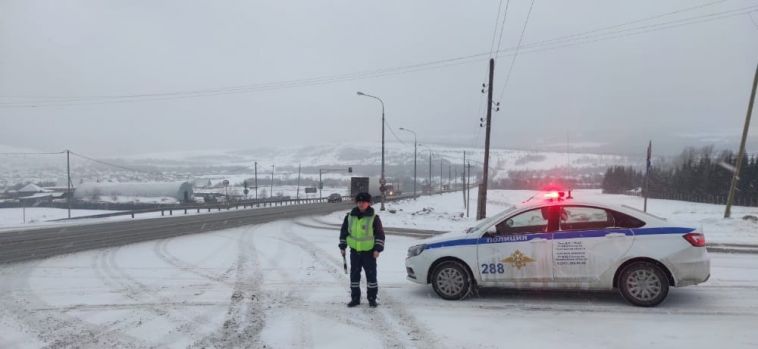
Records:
x=344, y=263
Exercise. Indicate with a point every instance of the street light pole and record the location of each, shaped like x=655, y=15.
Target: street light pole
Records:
x=68, y=185
x=415, y=153
x=431, y=187
x=382, y=181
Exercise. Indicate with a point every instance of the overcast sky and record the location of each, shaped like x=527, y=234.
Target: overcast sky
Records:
x=127, y=77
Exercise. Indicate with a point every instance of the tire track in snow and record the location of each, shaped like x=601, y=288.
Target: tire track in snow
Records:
x=186, y=323
x=244, y=318
x=161, y=251
x=390, y=314
x=51, y=326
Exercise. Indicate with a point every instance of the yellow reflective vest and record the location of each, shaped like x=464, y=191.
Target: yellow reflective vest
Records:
x=360, y=232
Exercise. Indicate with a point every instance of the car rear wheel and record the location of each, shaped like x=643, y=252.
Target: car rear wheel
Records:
x=451, y=280
x=643, y=284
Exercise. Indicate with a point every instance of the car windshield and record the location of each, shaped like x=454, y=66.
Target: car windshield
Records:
x=483, y=224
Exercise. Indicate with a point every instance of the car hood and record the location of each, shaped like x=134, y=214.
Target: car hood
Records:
x=453, y=235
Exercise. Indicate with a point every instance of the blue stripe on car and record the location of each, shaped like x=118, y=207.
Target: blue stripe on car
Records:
x=560, y=236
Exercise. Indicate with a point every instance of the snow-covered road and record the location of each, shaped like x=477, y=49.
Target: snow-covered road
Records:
x=281, y=285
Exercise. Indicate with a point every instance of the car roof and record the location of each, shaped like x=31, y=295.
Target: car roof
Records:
x=631, y=211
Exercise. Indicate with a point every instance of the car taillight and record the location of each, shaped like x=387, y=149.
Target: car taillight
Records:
x=695, y=239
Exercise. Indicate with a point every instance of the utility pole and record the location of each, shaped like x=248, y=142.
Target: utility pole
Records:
x=741, y=153
x=449, y=175
x=430, y=173
x=297, y=196
x=440, y=174
x=256, y=182
x=463, y=180
x=271, y=190
x=647, y=173
x=468, y=189
x=482, y=202
x=415, y=152
x=68, y=185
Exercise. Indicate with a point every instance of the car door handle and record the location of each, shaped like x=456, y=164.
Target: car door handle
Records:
x=537, y=240
x=615, y=235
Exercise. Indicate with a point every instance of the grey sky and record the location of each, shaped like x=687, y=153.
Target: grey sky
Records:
x=687, y=85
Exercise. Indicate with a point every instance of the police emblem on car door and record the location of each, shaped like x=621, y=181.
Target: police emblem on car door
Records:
x=516, y=249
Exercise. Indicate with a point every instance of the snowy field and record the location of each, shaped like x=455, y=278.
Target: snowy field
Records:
x=281, y=285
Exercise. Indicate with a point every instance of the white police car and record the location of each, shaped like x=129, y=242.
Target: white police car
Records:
x=564, y=244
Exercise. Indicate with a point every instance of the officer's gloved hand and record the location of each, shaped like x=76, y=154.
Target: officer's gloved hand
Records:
x=376, y=254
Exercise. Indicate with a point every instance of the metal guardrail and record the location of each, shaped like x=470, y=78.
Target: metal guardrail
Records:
x=206, y=207
x=245, y=204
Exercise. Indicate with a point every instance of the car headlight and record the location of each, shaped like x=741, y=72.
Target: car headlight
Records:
x=416, y=250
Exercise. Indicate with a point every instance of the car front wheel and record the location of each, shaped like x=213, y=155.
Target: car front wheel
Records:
x=643, y=284
x=451, y=281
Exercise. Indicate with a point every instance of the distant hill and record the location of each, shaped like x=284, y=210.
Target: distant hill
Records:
x=365, y=159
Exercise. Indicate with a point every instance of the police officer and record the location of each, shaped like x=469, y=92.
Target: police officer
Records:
x=362, y=231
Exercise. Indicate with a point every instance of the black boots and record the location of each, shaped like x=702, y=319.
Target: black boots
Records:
x=371, y=303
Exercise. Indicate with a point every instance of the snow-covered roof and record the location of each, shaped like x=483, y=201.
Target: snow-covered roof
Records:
x=37, y=196
x=32, y=188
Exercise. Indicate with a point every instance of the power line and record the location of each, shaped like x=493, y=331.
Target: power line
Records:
x=36, y=153
x=515, y=55
x=318, y=81
x=645, y=29
x=393, y=133
x=502, y=26
x=666, y=14
x=494, y=30
x=576, y=39
x=752, y=20
x=114, y=165
x=582, y=39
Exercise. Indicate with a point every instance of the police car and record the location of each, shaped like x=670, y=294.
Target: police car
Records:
x=561, y=243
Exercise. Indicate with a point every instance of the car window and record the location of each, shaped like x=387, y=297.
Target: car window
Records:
x=585, y=218
x=532, y=221
x=626, y=221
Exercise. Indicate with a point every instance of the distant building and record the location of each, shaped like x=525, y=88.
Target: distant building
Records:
x=31, y=189
x=158, y=192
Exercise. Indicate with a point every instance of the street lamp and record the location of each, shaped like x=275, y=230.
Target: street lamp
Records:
x=382, y=181
x=415, y=152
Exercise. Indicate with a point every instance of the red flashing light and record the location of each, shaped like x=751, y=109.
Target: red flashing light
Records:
x=554, y=195
x=695, y=239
